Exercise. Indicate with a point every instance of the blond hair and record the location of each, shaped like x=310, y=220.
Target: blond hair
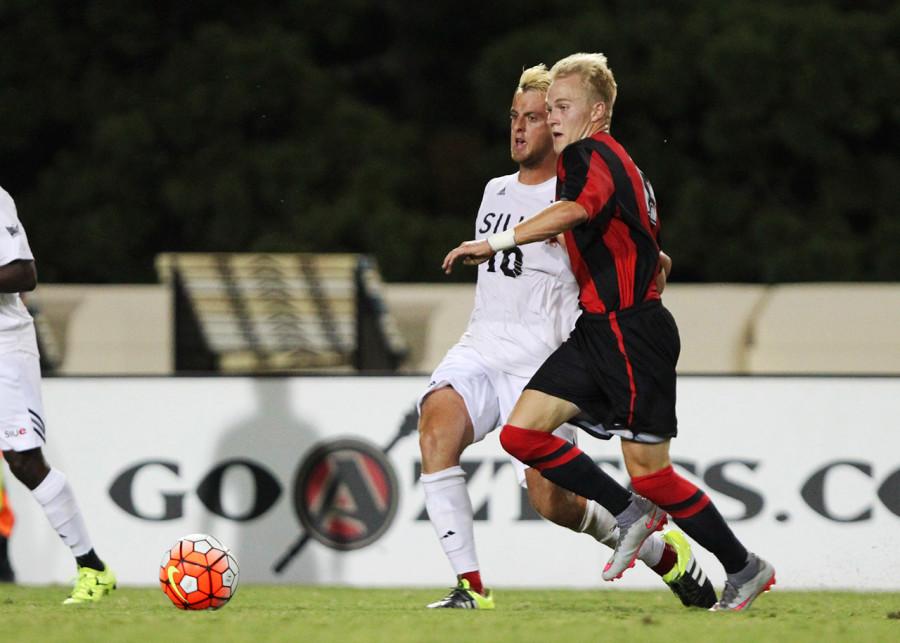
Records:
x=596, y=77
x=535, y=78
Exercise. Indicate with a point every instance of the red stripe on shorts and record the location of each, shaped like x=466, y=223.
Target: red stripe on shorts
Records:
x=614, y=325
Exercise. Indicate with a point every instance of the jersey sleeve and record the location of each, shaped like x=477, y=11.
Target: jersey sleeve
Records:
x=585, y=179
x=13, y=240
x=480, y=232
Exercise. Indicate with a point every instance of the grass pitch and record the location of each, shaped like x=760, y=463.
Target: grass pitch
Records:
x=290, y=613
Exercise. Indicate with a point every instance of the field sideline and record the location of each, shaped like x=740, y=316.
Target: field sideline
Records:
x=293, y=613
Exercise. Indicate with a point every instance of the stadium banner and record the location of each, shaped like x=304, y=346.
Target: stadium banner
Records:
x=315, y=480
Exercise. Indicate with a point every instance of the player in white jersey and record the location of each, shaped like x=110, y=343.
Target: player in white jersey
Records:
x=22, y=425
x=526, y=303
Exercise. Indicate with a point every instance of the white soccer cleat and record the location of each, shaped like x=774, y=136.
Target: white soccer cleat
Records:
x=632, y=536
x=740, y=595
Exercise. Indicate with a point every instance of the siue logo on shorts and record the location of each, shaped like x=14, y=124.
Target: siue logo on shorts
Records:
x=14, y=433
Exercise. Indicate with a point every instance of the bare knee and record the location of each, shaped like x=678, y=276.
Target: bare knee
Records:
x=29, y=467
x=445, y=430
x=643, y=459
x=541, y=412
x=558, y=505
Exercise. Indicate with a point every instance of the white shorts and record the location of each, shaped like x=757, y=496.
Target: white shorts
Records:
x=21, y=406
x=489, y=394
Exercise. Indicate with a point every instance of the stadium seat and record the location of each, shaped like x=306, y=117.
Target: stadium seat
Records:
x=264, y=312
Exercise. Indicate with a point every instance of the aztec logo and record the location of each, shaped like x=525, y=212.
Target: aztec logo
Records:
x=346, y=494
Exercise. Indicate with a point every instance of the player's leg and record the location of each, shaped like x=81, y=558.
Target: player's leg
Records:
x=566, y=509
x=21, y=408
x=550, y=398
x=653, y=476
x=555, y=503
x=567, y=466
x=459, y=407
x=6, y=523
x=557, y=460
x=445, y=430
x=550, y=501
x=668, y=555
x=52, y=491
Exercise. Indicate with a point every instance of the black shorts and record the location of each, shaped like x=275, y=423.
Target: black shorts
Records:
x=620, y=370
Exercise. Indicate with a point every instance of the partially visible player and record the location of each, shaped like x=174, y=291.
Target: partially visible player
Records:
x=619, y=363
x=526, y=302
x=22, y=426
x=6, y=524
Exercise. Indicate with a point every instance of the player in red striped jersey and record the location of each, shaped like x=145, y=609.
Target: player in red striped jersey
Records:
x=526, y=303
x=618, y=365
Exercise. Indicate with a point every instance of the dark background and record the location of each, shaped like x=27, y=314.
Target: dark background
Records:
x=769, y=129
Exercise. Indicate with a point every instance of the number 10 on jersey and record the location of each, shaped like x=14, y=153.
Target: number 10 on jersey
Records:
x=510, y=264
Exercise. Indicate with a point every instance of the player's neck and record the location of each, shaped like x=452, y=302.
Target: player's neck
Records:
x=539, y=173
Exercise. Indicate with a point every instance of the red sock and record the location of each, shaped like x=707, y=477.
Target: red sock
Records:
x=667, y=562
x=695, y=514
x=474, y=579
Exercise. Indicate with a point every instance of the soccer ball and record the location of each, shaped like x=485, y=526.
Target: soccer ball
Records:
x=198, y=573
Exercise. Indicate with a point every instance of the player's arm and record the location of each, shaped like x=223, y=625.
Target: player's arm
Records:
x=549, y=222
x=18, y=276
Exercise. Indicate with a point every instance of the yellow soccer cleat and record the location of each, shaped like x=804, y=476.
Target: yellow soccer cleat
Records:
x=464, y=597
x=686, y=579
x=91, y=586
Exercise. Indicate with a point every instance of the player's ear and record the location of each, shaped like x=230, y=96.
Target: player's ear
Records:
x=598, y=112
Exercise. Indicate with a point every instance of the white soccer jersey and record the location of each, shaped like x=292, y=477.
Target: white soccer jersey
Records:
x=526, y=299
x=16, y=324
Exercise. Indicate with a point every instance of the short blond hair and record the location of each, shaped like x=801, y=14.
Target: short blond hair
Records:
x=595, y=74
x=535, y=78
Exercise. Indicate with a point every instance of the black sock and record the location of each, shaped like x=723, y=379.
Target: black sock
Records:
x=584, y=477
x=90, y=560
x=6, y=572
x=711, y=531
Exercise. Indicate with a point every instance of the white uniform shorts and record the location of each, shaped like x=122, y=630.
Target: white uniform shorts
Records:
x=21, y=406
x=489, y=394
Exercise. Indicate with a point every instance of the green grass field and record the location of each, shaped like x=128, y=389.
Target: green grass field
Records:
x=268, y=613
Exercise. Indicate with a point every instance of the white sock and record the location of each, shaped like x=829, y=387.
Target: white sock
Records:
x=600, y=524
x=652, y=550
x=450, y=511
x=55, y=496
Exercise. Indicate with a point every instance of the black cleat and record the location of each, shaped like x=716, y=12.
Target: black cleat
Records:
x=686, y=580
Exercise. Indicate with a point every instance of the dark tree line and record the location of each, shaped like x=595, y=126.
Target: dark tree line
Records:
x=769, y=129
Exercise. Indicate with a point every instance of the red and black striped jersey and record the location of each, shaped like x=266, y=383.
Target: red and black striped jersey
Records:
x=615, y=253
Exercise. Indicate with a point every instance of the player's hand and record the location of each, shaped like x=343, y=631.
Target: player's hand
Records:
x=660, y=281
x=665, y=267
x=472, y=253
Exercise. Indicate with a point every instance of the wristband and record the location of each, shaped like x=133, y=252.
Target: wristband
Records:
x=502, y=240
